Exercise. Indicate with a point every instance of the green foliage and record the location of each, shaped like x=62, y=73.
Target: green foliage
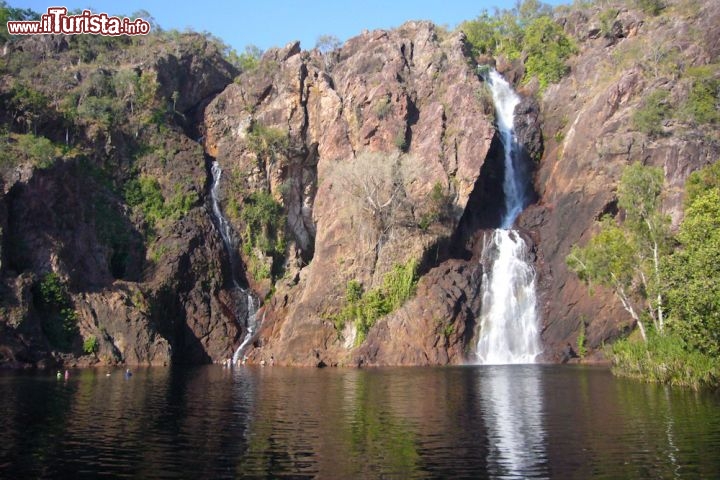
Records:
x=383, y=107
x=39, y=150
x=649, y=116
x=607, y=259
x=638, y=265
x=8, y=13
x=365, y=308
x=144, y=194
x=665, y=359
x=267, y=141
x=90, y=345
x=640, y=195
x=547, y=47
x=248, y=60
x=264, y=221
x=528, y=32
x=703, y=102
x=581, y=340
x=353, y=291
x=439, y=206
x=627, y=258
x=59, y=319
x=99, y=110
x=482, y=33
x=263, y=218
x=692, y=273
x=607, y=20
x=27, y=105
x=53, y=292
x=702, y=181
x=651, y=7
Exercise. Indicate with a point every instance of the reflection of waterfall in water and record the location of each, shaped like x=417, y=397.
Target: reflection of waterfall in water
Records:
x=229, y=242
x=512, y=404
x=508, y=319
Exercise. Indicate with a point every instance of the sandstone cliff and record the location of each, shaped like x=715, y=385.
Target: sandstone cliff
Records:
x=591, y=134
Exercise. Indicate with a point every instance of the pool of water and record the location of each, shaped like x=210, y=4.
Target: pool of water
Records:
x=462, y=422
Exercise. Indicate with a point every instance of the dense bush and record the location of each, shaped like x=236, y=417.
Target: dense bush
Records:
x=365, y=308
x=267, y=141
x=665, y=359
x=144, y=193
x=264, y=221
x=679, y=290
x=655, y=108
x=90, y=345
x=692, y=275
x=528, y=32
x=652, y=7
x=59, y=319
x=703, y=102
x=39, y=150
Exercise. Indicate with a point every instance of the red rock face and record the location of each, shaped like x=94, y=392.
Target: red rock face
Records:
x=404, y=103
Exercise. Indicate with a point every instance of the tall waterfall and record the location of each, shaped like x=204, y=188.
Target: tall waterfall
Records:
x=508, y=318
x=229, y=242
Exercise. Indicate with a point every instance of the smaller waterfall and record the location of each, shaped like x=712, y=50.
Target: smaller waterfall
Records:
x=229, y=242
x=250, y=324
x=226, y=232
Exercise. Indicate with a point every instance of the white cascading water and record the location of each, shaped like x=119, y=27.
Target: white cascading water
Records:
x=508, y=318
x=226, y=233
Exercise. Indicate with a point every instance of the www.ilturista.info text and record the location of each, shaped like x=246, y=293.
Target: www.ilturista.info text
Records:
x=57, y=21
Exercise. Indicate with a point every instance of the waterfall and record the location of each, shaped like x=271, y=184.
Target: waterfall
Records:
x=229, y=242
x=250, y=324
x=508, y=318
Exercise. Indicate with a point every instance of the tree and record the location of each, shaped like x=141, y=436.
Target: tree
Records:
x=528, y=31
x=608, y=259
x=327, y=43
x=547, y=47
x=246, y=61
x=693, y=272
x=8, y=13
x=145, y=15
x=628, y=257
x=640, y=195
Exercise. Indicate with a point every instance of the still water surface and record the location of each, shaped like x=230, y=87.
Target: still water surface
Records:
x=466, y=422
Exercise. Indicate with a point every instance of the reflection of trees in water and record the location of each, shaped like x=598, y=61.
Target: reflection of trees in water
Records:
x=619, y=428
x=380, y=441
x=333, y=424
x=663, y=447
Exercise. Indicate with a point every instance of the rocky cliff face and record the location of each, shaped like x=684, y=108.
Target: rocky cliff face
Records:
x=372, y=129
x=591, y=134
x=337, y=168
x=140, y=286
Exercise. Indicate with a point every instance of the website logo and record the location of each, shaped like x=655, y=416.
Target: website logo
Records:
x=57, y=21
